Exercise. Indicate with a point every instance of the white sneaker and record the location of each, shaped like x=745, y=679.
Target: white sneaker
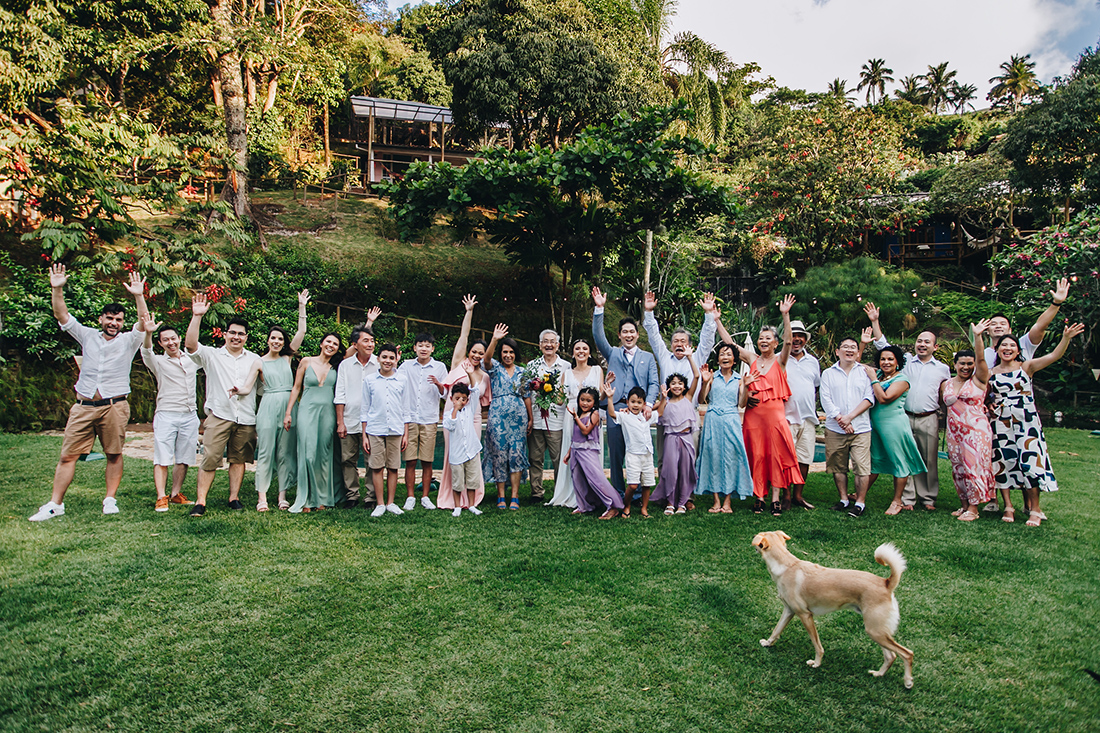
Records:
x=394, y=509
x=379, y=510
x=457, y=511
x=426, y=503
x=110, y=506
x=49, y=510
x=410, y=504
x=475, y=511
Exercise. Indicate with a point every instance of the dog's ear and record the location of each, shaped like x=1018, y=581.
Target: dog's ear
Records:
x=784, y=535
x=761, y=541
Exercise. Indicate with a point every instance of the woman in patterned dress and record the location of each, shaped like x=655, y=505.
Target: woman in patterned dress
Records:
x=1020, y=458
x=969, y=436
x=505, y=458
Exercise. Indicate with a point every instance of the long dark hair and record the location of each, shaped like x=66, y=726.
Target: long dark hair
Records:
x=336, y=358
x=593, y=355
x=899, y=357
x=595, y=396
x=287, y=349
x=997, y=348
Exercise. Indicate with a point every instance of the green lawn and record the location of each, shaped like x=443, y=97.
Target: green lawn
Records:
x=528, y=621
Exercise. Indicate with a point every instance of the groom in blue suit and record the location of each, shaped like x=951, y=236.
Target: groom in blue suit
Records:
x=632, y=367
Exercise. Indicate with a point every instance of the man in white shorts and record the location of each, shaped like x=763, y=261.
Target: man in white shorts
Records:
x=804, y=377
x=176, y=421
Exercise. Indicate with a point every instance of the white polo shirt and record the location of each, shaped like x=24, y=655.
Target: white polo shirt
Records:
x=223, y=371
x=636, y=431
x=803, y=377
x=105, y=367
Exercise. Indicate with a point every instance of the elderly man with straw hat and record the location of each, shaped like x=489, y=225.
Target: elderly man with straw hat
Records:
x=804, y=377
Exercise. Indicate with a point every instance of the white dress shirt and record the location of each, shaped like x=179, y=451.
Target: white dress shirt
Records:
x=424, y=396
x=465, y=443
x=668, y=363
x=556, y=419
x=1027, y=350
x=841, y=393
x=223, y=371
x=349, y=389
x=175, y=380
x=105, y=367
x=803, y=377
x=636, y=433
x=924, y=378
x=384, y=405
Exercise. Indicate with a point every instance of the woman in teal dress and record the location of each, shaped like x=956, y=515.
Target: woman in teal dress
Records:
x=893, y=449
x=316, y=420
x=505, y=455
x=723, y=464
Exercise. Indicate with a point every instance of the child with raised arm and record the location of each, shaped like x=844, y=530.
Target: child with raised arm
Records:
x=639, y=446
x=678, y=416
x=385, y=434
x=589, y=483
x=424, y=397
x=465, y=453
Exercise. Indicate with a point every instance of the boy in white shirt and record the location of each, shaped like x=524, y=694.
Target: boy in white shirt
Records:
x=421, y=422
x=385, y=434
x=639, y=447
x=465, y=454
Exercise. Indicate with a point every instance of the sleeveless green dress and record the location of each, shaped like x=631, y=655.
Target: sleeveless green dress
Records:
x=276, y=448
x=316, y=431
x=893, y=449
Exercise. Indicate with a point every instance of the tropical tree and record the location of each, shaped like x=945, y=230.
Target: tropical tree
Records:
x=873, y=78
x=962, y=96
x=1016, y=82
x=838, y=89
x=911, y=90
x=936, y=86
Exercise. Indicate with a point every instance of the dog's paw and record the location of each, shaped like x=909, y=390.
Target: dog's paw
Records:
x=765, y=642
x=909, y=684
x=876, y=672
x=813, y=663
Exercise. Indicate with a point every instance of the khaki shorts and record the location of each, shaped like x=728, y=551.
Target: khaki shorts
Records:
x=236, y=440
x=839, y=447
x=639, y=469
x=385, y=452
x=467, y=476
x=108, y=423
x=421, y=446
x=805, y=440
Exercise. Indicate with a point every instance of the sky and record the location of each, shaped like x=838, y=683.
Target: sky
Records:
x=805, y=44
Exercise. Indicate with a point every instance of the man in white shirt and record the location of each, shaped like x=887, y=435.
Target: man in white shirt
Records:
x=846, y=395
x=175, y=422
x=922, y=404
x=423, y=420
x=999, y=326
x=348, y=396
x=102, y=389
x=803, y=377
x=230, y=416
x=546, y=432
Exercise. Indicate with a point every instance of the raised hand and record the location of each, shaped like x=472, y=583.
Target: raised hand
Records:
x=58, y=278
x=664, y=392
x=688, y=351
x=500, y=331
x=650, y=301
x=136, y=285
x=867, y=335
x=432, y=380
x=979, y=327
x=373, y=313
x=199, y=306
x=705, y=374
x=607, y=389
x=598, y=298
x=786, y=303
x=1061, y=292
x=1073, y=330
x=708, y=303
x=871, y=310
x=571, y=411
x=750, y=379
x=303, y=298
x=469, y=301
x=148, y=325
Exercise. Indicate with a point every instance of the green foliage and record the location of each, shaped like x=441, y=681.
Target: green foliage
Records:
x=833, y=296
x=959, y=310
x=975, y=192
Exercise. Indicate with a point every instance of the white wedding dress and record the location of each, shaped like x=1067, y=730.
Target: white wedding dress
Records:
x=563, y=479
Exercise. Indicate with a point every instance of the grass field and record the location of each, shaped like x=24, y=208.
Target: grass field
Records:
x=529, y=621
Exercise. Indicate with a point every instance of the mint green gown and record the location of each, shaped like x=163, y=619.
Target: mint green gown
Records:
x=893, y=448
x=316, y=423
x=276, y=448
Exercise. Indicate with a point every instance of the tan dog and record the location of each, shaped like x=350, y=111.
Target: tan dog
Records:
x=807, y=589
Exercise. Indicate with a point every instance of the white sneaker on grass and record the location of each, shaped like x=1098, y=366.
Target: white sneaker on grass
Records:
x=110, y=506
x=379, y=510
x=426, y=503
x=457, y=511
x=410, y=504
x=394, y=509
x=475, y=511
x=49, y=510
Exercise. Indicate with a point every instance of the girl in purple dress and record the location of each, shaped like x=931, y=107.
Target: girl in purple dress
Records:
x=590, y=485
x=679, y=416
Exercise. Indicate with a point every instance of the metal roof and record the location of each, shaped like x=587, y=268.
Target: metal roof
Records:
x=395, y=109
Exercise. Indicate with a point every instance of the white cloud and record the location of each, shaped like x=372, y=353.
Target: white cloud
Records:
x=807, y=43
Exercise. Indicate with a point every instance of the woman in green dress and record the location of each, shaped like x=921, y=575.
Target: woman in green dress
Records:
x=316, y=421
x=893, y=449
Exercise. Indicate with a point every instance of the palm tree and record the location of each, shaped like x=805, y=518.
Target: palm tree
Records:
x=706, y=68
x=656, y=19
x=838, y=88
x=911, y=90
x=1016, y=81
x=937, y=86
x=962, y=95
x=874, y=77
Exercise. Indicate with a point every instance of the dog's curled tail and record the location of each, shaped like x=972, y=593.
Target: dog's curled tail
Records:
x=888, y=555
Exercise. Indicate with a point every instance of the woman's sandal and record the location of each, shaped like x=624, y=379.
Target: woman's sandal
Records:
x=894, y=508
x=727, y=510
x=968, y=516
x=958, y=512
x=1035, y=519
x=261, y=506
x=626, y=513
x=670, y=510
x=502, y=503
x=1009, y=515
x=284, y=505
x=758, y=506
x=777, y=509
x=514, y=506
x=610, y=514
x=716, y=509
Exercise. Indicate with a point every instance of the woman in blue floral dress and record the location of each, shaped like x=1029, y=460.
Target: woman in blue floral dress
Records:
x=505, y=456
x=723, y=464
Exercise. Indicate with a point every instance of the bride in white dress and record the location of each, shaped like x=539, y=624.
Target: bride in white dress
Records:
x=583, y=374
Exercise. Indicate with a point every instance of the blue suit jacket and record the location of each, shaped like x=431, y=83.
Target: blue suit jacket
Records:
x=642, y=372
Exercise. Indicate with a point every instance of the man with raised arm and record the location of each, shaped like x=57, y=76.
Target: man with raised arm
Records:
x=632, y=367
x=348, y=397
x=922, y=404
x=102, y=389
x=230, y=415
x=1029, y=342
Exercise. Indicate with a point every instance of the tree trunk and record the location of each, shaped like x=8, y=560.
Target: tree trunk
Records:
x=250, y=81
x=230, y=77
x=328, y=147
x=272, y=90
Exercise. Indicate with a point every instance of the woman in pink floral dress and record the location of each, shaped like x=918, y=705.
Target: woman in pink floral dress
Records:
x=969, y=436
